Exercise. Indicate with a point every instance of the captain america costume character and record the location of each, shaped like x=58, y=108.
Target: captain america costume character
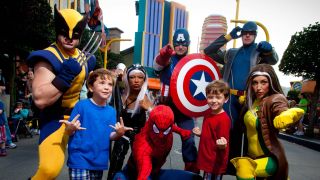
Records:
x=164, y=64
x=59, y=77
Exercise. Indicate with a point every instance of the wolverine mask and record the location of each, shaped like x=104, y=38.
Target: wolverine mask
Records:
x=69, y=23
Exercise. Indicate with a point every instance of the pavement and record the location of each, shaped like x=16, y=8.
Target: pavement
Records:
x=312, y=143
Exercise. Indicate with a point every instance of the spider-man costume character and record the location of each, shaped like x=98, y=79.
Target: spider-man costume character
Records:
x=153, y=144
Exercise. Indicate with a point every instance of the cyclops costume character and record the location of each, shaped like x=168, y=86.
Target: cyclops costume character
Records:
x=237, y=64
x=69, y=79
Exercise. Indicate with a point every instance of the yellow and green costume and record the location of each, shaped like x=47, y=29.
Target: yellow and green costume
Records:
x=265, y=156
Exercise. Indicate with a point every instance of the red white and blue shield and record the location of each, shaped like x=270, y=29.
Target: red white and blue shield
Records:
x=188, y=83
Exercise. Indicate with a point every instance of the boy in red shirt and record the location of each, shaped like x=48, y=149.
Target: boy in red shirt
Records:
x=214, y=138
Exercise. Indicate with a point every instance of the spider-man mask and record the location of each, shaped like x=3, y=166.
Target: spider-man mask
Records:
x=160, y=124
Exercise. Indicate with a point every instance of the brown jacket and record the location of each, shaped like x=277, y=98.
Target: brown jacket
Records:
x=270, y=107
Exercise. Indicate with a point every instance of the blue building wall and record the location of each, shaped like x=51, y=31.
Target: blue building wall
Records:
x=157, y=21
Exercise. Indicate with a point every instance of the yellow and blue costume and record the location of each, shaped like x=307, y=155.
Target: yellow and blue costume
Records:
x=52, y=142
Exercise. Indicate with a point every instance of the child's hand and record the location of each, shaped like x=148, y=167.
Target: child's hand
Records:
x=196, y=131
x=221, y=143
x=120, y=128
x=72, y=126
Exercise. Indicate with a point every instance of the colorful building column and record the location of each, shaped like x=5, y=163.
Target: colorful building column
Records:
x=158, y=19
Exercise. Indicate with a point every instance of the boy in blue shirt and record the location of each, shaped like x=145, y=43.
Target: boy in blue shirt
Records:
x=91, y=129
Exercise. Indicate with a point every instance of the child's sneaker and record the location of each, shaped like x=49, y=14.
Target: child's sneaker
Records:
x=11, y=146
x=3, y=152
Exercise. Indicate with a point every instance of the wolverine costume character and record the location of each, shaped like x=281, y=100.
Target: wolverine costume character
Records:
x=59, y=77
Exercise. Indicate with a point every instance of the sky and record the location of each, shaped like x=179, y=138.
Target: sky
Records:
x=282, y=18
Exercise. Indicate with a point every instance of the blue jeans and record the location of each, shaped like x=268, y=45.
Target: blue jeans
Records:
x=8, y=133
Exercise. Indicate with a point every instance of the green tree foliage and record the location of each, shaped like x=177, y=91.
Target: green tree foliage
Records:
x=302, y=58
x=27, y=25
x=293, y=95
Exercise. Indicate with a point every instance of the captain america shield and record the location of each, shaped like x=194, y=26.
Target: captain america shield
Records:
x=188, y=83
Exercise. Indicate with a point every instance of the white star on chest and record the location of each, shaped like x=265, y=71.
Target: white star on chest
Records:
x=201, y=85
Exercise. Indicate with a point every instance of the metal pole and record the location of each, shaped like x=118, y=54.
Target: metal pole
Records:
x=105, y=49
x=236, y=24
x=258, y=23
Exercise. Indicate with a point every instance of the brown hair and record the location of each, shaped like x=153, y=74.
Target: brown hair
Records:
x=102, y=73
x=217, y=87
x=274, y=85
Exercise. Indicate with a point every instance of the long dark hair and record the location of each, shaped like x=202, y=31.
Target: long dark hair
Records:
x=264, y=70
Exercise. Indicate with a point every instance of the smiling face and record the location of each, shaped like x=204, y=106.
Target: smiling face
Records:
x=181, y=50
x=101, y=89
x=260, y=86
x=216, y=101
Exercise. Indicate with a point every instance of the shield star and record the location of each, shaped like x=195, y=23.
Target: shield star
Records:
x=201, y=85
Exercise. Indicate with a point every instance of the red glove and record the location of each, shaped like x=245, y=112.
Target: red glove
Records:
x=185, y=134
x=164, y=56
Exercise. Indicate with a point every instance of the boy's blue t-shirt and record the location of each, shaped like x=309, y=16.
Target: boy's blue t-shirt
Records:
x=89, y=148
x=2, y=115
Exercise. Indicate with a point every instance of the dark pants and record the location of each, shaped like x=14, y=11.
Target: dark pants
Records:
x=189, y=150
x=119, y=152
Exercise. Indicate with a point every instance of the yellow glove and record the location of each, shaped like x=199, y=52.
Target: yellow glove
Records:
x=288, y=117
x=242, y=99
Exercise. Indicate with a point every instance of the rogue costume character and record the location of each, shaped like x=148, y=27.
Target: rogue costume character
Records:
x=265, y=113
x=58, y=80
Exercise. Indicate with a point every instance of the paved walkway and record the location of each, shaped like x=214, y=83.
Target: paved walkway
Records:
x=312, y=143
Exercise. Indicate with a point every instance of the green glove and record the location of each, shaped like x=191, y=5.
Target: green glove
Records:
x=288, y=117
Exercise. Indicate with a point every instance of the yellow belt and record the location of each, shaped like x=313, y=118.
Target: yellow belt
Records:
x=237, y=92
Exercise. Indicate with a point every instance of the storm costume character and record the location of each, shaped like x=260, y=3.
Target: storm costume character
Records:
x=237, y=64
x=164, y=64
x=263, y=118
x=134, y=118
x=68, y=79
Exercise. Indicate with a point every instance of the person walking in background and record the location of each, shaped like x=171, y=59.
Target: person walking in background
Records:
x=237, y=64
x=265, y=112
x=164, y=64
x=90, y=129
x=303, y=104
x=2, y=83
x=214, y=137
x=3, y=151
x=28, y=90
x=58, y=79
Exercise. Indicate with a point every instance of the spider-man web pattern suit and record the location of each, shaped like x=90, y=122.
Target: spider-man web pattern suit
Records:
x=153, y=144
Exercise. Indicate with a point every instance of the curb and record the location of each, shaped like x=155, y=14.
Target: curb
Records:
x=309, y=143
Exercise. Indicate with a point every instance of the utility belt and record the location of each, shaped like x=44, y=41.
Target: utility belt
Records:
x=237, y=92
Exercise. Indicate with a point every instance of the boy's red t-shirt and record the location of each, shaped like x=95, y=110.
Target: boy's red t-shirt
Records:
x=210, y=158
